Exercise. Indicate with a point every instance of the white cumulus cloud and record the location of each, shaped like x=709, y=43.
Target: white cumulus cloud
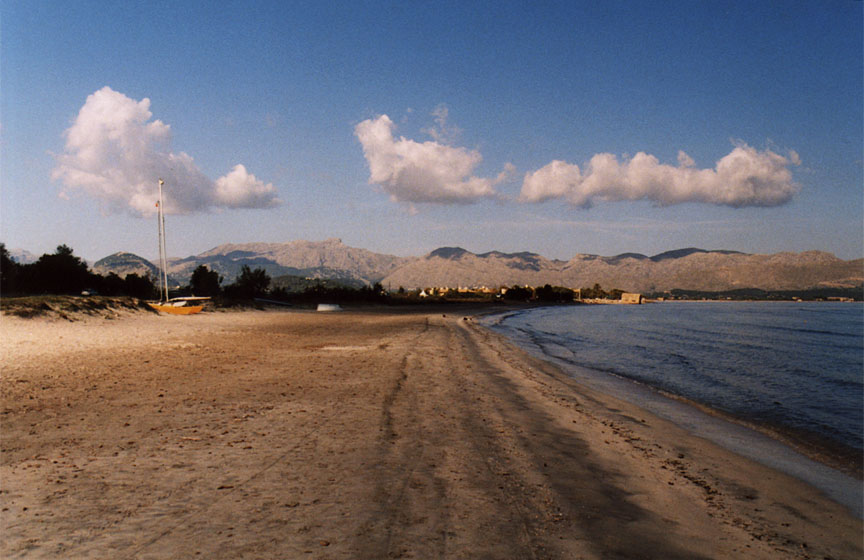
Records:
x=744, y=177
x=114, y=152
x=412, y=171
x=241, y=189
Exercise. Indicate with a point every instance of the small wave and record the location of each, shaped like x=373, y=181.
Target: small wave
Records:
x=845, y=383
x=727, y=357
x=834, y=333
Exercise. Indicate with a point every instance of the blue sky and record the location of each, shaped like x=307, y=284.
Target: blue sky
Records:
x=402, y=127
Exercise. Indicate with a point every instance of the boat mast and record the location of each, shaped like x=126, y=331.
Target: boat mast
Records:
x=163, y=260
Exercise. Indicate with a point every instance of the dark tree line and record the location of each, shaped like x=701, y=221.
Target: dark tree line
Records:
x=61, y=273
x=554, y=294
x=205, y=282
x=543, y=294
x=333, y=294
x=249, y=284
x=64, y=273
x=256, y=283
x=597, y=292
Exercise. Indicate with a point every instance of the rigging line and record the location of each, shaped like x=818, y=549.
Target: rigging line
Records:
x=163, y=258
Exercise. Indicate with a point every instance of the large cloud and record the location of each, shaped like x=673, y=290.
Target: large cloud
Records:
x=411, y=171
x=744, y=177
x=115, y=153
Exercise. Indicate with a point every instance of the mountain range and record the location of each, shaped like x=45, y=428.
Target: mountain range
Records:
x=22, y=256
x=688, y=269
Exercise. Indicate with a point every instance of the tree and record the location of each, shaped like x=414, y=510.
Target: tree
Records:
x=59, y=273
x=554, y=294
x=64, y=250
x=139, y=286
x=518, y=293
x=8, y=271
x=615, y=293
x=597, y=292
x=111, y=285
x=250, y=283
x=206, y=282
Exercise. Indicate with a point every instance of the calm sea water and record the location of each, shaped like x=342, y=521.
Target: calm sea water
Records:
x=793, y=366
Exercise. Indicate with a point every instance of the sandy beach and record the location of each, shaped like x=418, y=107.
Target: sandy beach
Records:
x=360, y=434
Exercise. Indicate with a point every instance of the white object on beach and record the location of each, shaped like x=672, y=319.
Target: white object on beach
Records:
x=329, y=307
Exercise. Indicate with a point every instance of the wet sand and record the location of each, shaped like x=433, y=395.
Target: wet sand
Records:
x=362, y=434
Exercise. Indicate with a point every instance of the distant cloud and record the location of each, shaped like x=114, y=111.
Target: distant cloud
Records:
x=241, y=189
x=115, y=153
x=744, y=177
x=432, y=171
x=443, y=131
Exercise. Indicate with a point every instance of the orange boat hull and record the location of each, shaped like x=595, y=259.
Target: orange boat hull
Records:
x=182, y=310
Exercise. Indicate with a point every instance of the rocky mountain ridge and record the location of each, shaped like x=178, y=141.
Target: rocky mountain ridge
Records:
x=689, y=268
x=124, y=263
x=309, y=259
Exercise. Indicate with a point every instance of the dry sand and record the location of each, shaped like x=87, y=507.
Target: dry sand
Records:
x=359, y=435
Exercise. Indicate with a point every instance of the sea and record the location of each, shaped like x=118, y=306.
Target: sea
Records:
x=758, y=373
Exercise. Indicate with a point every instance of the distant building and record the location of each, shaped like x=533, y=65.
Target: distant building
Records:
x=631, y=298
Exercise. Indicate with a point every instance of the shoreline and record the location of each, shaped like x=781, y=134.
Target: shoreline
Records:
x=844, y=459
x=834, y=455
x=361, y=434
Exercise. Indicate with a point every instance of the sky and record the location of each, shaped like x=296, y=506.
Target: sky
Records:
x=552, y=127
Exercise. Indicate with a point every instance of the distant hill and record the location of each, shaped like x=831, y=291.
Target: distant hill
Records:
x=122, y=264
x=22, y=256
x=302, y=262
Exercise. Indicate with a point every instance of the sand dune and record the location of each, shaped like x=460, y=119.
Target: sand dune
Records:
x=359, y=435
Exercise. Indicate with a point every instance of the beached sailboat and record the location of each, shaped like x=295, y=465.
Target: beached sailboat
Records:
x=175, y=306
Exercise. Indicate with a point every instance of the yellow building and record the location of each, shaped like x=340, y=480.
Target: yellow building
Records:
x=631, y=298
